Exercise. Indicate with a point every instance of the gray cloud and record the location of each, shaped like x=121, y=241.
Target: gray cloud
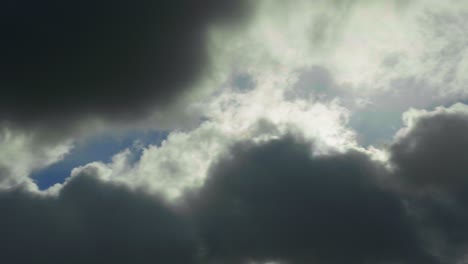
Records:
x=433, y=153
x=92, y=222
x=431, y=160
x=274, y=202
x=63, y=62
x=269, y=201
x=76, y=59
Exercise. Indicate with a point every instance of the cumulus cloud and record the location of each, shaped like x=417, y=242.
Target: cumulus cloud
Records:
x=92, y=222
x=230, y=184
x=429, y=156
x=295, y=206
x=431, y=150
x=182, y=160
x=273, y=197
x=375, y=56
x=63, y=61
x=275, y=201
x=22, y=153
x=73, y=70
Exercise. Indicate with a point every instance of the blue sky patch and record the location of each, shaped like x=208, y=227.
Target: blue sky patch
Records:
x=98, y=148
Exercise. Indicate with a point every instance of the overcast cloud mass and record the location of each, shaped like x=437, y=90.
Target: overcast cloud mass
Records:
x=253, y=132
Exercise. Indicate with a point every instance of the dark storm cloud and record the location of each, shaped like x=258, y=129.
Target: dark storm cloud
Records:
x=68, y=59
x=266, y=201
x=92, y=222
x=431, y=160
x=434, y=153
x=274, y=202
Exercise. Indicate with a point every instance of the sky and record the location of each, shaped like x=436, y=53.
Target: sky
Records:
x=234, y=132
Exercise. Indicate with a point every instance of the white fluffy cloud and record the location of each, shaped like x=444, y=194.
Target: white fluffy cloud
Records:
x=183, y=159
x=415, y=49
x=22, y=153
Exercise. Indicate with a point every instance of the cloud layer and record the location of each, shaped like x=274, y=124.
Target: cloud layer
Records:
x=92, y=222
x=274, y=200
x=273, y=112
x=66, y=61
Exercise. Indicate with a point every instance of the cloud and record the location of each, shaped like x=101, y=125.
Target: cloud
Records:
x=253, y=194
x=80, y=59
x=313, y=81
x=342, y=44
x=258, y=196
x=92, y=222
x=276, y=202
x=376, y=57
x=22, y=153
x=431, y=150
x=429, y=157
x=182, y=160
